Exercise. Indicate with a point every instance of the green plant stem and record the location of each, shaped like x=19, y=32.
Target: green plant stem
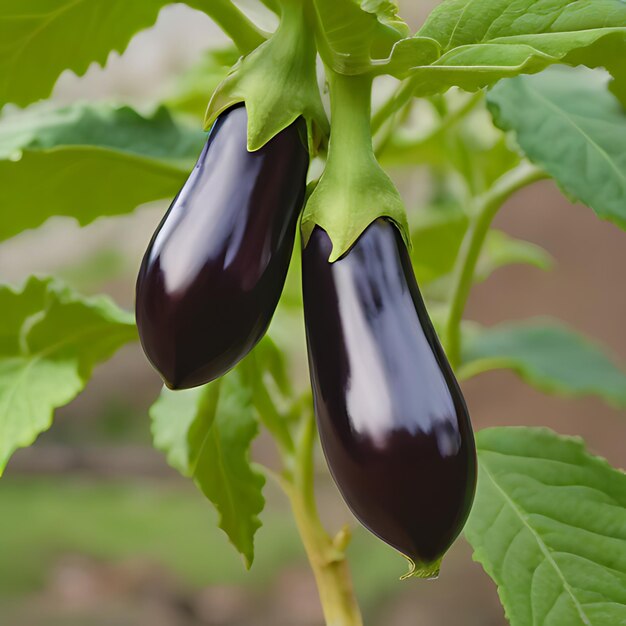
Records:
x=403, y=94
x=350, y=108
x=354, y=190
x=326, y=555
x=486, y=209
x=397, y=100
x=388, y=130
x=406, y=153
x=243, y=33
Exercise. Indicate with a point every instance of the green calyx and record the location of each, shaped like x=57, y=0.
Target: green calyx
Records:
x=429, y=571
x=278, y=83
x=354, y=190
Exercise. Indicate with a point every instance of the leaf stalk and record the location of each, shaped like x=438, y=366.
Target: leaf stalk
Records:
x=487, y=206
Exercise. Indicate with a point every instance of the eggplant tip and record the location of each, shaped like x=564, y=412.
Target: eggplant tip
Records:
x=427, y=571
x=172, y=386
x=175, y=381
x=181, y=380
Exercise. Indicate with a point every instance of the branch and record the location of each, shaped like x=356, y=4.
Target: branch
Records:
x=243, y=33
x=487, y=207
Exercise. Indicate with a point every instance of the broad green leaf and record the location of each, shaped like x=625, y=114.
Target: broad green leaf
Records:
x=86, y=161
x=41, y=38
x=206, y=434
x=50, y=340
x=483, y=41
x=456, y=23
x=119, y=128
x=356, y=37
x=547, y=355
x=549, y=527
x=404, y=56
x=573, y=127
x=350, y=28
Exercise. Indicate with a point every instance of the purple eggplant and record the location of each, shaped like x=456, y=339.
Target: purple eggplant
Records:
x=392, y=420
x=215, y=268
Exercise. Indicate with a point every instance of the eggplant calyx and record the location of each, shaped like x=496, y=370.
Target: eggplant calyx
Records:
x=354, y=190
x=428, y=571
x=278, y=84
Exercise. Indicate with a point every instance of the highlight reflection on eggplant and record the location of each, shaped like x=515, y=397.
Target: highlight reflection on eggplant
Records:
x=393, y=423
x=215, y=268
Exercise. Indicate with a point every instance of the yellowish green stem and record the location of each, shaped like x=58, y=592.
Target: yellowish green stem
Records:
x=486, y=209
x=398, y=99
x=326, y=555
x=244, y=34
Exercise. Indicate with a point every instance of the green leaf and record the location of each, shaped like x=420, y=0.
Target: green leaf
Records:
x=549, y=526
x=264, y=373
x=88, y=161
x=352, y=31
x=50, y=340
x=436, y=235
x=272, y=360
x=483, y=41
x=501, y=250
x=569, y=123
x=206, y=433
x=547, y=355
x=41, y=38
x=119, y=128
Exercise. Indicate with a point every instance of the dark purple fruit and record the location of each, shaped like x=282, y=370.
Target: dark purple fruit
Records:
x=393, y=423
x=215, y=268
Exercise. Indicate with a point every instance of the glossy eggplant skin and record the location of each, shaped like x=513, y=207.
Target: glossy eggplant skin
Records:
x=392, y=420
x=214, y=271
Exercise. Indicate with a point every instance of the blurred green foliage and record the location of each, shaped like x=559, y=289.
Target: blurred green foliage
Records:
x=165, y=523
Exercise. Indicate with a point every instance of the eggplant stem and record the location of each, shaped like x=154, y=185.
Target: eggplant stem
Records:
x=326, y=554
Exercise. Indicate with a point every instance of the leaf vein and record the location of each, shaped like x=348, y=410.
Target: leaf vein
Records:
x=542, y=546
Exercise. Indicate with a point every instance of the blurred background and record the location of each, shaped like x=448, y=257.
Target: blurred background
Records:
x=96, y=529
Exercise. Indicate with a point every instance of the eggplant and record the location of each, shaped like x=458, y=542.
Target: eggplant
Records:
x=392, y=420
x=214, y=271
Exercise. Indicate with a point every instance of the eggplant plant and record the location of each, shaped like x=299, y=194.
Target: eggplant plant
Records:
x=291, y=217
